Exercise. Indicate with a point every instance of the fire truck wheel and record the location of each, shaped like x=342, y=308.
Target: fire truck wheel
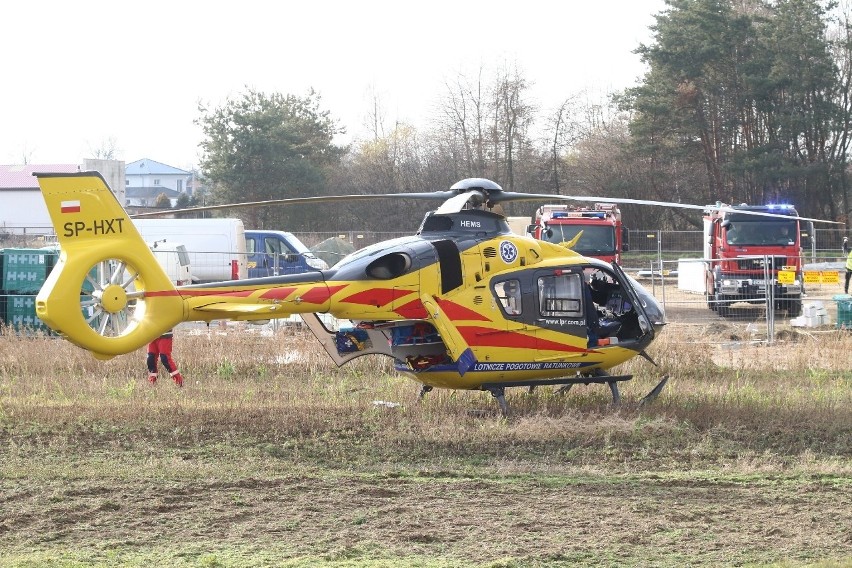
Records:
x=722, y=306
x=711, y=303
x=794, y=308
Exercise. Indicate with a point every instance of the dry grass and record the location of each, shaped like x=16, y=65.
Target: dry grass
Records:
x=291, y=436
x=790, y=398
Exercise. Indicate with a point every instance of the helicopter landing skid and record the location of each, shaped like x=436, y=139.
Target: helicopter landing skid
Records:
x=655, y=392
x=498, y=390
x=423, y=390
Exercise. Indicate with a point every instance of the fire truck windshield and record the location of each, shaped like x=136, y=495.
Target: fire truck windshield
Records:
x=596, y=239
x=761, y=232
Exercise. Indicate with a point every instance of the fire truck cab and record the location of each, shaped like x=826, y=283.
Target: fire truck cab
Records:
x=744, y=252
x=603, y=237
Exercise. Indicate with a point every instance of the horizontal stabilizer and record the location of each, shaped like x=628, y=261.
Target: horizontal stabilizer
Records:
x=234, y=309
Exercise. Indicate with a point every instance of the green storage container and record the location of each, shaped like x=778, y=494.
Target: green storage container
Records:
x=844, y=310
x=25, y=270
x=20, y=314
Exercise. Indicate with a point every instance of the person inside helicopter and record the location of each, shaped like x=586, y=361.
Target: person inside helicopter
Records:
x=604, y=307
x=511, y=297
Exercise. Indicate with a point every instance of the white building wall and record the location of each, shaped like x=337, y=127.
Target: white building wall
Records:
x=169, y=181
x=24, y=211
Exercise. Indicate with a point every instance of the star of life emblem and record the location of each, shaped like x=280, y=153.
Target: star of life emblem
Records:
x=508, y=252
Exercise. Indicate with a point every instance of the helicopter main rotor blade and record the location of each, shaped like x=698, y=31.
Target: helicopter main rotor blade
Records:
x=515, y=196
x=432, y=196
x=474, y=192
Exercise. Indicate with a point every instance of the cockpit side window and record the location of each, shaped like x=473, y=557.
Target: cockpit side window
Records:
x=509, y=294
x=449, y=259
x=561, y=295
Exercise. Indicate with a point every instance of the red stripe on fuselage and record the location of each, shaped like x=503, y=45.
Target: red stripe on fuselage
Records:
x=155, y=293
x=412, y=310
x=476, y=336
x=277, y=293
x=455, y=311
x=320, y=294
x=233, y=293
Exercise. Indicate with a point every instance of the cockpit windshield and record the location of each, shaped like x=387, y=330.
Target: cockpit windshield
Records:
x=596, y=239
x=761, y=232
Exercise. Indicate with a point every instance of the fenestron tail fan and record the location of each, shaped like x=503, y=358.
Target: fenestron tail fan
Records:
x=107, y=293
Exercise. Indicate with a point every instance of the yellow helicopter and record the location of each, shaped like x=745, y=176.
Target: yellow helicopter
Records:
x=462, y=304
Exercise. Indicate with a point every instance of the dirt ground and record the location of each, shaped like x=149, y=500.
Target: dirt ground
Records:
x=593, y=519
x=622, y=488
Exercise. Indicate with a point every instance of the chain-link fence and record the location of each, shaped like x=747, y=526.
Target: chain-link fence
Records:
x=825, y=246
x=766, y=295
x=754, y=307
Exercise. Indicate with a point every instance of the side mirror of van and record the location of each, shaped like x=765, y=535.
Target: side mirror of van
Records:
x=291, y=258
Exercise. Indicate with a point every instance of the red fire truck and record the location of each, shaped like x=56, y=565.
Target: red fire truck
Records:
x=603, y=237
x=743, y=252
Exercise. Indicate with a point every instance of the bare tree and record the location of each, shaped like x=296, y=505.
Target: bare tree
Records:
x=463, y=122
x=561, y=133
x=374, y=121
x=107, y=150
x=513, y=116
x=487, y=124
x=27, y=154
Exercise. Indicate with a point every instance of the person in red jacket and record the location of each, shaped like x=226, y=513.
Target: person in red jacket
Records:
x=162, y=348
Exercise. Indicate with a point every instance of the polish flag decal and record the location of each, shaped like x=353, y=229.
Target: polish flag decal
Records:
x=70, y=206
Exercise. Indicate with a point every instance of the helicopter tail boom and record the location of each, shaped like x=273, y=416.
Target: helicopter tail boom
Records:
x=107, y=293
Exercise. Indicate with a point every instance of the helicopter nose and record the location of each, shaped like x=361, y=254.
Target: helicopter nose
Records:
x=653, y=309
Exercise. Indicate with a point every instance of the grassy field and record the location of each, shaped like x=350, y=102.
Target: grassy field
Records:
x=272, y=456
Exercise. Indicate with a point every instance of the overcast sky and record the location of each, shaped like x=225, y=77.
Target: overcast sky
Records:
x=78, y=74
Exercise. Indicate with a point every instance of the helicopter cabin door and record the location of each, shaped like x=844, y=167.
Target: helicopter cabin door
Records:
x=638, y=313
x=562, y=304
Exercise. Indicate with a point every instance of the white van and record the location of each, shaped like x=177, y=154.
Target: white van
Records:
x=175, y=261
x=216, y=247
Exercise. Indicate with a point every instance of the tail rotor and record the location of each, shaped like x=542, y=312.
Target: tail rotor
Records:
x=109, y=298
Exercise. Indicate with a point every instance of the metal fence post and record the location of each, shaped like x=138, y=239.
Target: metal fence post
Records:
x=769, y=283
